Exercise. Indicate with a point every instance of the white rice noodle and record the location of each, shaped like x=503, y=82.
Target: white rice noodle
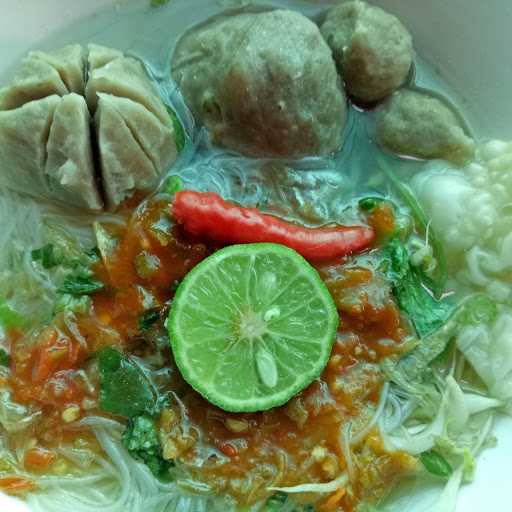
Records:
x=117, y=483
x=361, y=435
x=328, y=487
x=345, y=442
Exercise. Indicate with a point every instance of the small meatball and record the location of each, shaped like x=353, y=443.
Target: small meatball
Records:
x=70, y=165
x=416, y=124
x=263, y=84
x=371, y=47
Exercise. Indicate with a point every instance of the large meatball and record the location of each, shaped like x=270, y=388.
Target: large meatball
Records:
x=371, y=47
x=416, y=124
x=46, y=146
x=264, y=84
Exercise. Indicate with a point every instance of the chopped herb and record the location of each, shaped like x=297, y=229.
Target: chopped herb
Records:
x=369, y=203
x=141, y=440
x=80, y=285
x=5, y=359
x=148, y=318
x=410, y=288
x=8, y=317
x=146, y=264
x=423, y=223
x=93, y=253
x=46, y=256
x=275, y=503
x=179, y=131
x=173, y=184
x=158, y=3
x=76, y=304
x=436, y=464
x=125, y=390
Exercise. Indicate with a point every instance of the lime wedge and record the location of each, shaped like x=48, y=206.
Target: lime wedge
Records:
x=251, y=326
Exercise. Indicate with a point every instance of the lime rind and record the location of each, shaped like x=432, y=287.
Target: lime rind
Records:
x=290, y=322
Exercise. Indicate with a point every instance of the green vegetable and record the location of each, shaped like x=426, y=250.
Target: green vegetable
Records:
x=369, y=203
x=158, y=3
x=173, y=184
x=475, y=310
x=46, y=256
x=441, y=274
x=148, y=318
x=74, y=303
x=94, y=253
x=146, y=264
x=80, y=285
x=275, y=503
x=141, y=440
x=125, y=390
x=179, y=132
x=410, y=290
x=436, y=464
x=280, y=500
x=4, y=358
x=8, y=317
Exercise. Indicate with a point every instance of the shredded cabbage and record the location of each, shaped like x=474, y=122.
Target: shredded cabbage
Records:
x=488, y=348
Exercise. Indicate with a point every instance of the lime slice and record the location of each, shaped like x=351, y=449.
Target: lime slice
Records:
x=251, y=326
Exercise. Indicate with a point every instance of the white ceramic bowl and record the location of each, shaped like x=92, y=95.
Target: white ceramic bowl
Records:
x=466, y=41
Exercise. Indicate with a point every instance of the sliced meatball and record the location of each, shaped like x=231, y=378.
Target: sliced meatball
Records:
x=416, y=124
x=125, y=77
x=46, y=145
x=372, y=49
x=100, y=56
x=70, y=166
x=125, y=167
x=34, y=80
x=263, y=84
x=24, y=133
x=155, y=138
x=69, y=62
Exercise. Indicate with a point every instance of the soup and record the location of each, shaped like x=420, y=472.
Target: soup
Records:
x=268, y=276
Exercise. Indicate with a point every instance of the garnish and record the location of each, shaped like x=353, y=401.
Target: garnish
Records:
x=410, y=290
x=179, y=132
x=125, y=390
x=141, y=440
x=5, y=359
x=423, y=224
x=80, y=285
x=46, y=256
x=436, y=464
x=207, y=214
x=8, y=317
x=148, y=318
x=172, y=185
x=251, y=326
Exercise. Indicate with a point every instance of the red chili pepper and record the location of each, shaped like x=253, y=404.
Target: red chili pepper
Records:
x=207, y=214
